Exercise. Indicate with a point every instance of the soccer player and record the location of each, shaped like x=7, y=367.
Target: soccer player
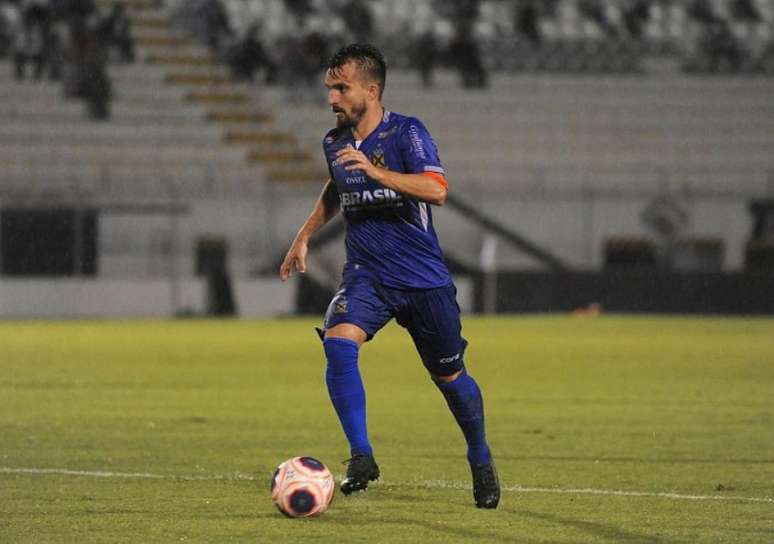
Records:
x=384, y=175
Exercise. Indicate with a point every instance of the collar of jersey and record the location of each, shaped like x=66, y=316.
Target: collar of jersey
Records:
x=379, y=128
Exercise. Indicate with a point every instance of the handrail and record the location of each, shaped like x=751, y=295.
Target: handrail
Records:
x=518, y=241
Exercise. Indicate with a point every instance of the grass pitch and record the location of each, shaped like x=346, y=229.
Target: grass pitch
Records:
x=609, y=429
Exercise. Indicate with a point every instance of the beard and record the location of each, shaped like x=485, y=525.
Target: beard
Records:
x=350, y=120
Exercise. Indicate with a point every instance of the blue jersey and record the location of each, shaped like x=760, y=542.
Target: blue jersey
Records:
x=389, y=234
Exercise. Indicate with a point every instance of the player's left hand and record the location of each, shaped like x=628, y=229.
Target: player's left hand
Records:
x=354, y=159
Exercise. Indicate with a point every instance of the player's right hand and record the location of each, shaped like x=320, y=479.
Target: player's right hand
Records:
x=295, y=259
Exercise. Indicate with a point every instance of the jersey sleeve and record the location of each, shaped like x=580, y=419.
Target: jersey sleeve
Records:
x=418, y=149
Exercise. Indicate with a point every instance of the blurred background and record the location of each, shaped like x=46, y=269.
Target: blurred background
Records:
x=157, y=157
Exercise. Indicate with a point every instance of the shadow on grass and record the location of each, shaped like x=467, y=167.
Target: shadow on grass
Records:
x=603, y=459
x=599, y=530
x=460, y=532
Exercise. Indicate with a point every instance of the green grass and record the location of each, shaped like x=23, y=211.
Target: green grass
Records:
x=644, y=405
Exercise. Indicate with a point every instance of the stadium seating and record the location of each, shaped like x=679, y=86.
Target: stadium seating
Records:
x=547, y=154
x=570, y=39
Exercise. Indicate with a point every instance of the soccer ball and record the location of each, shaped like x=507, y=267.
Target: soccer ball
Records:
x=302, y=487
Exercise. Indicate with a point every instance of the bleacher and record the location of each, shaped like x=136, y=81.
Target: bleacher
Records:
x=566, y=143
x=540, y=152
x=167, y=149
x=571, y=41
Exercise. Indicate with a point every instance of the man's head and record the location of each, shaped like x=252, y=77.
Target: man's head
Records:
x=355, y=80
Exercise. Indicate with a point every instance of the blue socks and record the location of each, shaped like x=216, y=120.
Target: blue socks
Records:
x=464, y=399
x=345, y=388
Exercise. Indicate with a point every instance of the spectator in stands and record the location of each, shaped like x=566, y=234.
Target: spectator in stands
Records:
x=426, y=53
x=10, y=27
x=78, y=11
x=95, y=84
x=745, y=11
x=527, y=21
x=32, y=43
x=636, y=16
x=306, y=53
x=78, y=14
x=5, y=38
x=56, y=55
x=299, y=9
x=703, y=12
x=716, y=43
x=214, y=22
x=550, y=8
x=249, y=56
x=117, y=32
x=594, y=10
x=464, y=49
x=466, y=11
x=357, y=16
x=466, y=54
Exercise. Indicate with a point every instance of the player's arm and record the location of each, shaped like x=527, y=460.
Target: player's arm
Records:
x=428, y=187
x=326, y=207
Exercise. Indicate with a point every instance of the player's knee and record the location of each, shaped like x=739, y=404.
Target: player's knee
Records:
x=446, y=368
x=348, y=332
x=446, y=378
x=341, y=355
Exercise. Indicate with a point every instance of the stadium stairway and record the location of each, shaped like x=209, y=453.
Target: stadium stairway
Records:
x=176, y=107
x=181, y=133
x=229, y=105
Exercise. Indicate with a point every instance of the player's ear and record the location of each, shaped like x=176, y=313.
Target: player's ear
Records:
x=373, y=91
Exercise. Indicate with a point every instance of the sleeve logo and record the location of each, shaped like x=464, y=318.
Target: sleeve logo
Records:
x=416, y=142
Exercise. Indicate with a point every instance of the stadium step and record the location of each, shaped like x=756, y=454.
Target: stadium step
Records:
x=181, y=60
x=259, y=137
x=214, y=97
x=239, y=117
x=198, y=79
x=261, y=156
x=149, y=21
x=296, y=175
x=163, y=41
x=186, y=63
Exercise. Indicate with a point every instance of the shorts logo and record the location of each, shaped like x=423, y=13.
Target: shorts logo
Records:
x=340, y=306
x=445, y=360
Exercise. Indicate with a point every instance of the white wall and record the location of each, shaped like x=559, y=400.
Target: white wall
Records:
x=127, y=298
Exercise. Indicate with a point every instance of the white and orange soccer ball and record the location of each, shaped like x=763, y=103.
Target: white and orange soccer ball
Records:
x=302, y=487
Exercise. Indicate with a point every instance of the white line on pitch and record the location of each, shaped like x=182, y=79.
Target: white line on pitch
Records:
x=129, y=475
x=425, y=484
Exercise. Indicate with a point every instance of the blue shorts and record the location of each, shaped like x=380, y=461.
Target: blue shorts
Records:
x=431, y=316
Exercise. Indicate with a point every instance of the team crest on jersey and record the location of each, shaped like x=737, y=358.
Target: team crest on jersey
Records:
x=377, y=159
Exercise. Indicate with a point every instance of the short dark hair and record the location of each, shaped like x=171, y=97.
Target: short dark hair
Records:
x=368, y=58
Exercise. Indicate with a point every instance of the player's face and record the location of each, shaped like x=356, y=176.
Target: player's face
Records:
x=347, y=95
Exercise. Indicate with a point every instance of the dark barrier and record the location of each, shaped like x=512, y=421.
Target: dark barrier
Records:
x=48, y=242
x=632, y=291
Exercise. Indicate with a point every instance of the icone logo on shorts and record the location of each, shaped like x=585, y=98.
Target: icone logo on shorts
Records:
x=444, y=360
